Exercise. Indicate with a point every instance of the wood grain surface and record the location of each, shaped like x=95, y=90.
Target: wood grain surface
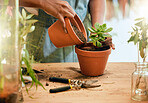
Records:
x=115, y=84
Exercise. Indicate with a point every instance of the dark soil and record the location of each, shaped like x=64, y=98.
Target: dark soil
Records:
x=91, y=47
x=79, y=34
x=12, y=98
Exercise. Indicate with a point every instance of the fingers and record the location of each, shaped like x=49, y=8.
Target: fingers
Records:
x=113, y=46
x=67, y=8
x=63, y=23
x=61, y=18
x=64, y=10
x=67, y=14
x=108, y=42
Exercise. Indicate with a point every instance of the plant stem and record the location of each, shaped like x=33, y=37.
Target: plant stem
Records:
x=138, y=51
x=2, y=20
x=138, y=80
x=1, y=83
x=1, y=75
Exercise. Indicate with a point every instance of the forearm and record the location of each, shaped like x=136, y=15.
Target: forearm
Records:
x=97, y=11
x=31, y=3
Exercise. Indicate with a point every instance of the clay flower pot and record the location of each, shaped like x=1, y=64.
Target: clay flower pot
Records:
x=61, y=39
x=92, y=63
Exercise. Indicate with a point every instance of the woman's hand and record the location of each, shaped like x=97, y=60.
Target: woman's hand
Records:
x=108, y=42
x=59, y=9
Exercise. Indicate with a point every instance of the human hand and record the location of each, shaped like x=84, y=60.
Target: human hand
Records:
x=59, y=9
x=108, y=42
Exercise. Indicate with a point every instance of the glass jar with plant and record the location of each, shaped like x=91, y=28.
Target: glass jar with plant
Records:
x=139, y=87
x=9, y=51
x=11, y=45
x=26, y=27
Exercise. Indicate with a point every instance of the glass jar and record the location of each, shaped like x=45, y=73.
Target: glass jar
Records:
x=9, y=51
x=139, y=87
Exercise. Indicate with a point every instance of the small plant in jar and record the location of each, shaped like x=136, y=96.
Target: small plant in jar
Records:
x=11, y=45
x=139, y=36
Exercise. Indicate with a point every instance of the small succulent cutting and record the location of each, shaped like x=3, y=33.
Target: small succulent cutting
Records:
x=99, y=33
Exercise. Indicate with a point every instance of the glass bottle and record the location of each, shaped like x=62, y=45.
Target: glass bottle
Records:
x=139, y=87
x=9, y=51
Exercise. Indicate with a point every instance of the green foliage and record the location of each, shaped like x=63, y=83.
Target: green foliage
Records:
x=99, y=33
x=139, y=36
x=6, y=2
x=26, y=26
x=26, y=59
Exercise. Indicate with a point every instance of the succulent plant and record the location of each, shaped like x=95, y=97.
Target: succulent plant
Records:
x=99, y=33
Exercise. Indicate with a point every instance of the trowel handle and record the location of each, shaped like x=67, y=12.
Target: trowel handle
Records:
x=60, y=89
x=62, y=80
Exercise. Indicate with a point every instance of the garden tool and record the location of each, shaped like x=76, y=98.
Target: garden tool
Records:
x=77, y=84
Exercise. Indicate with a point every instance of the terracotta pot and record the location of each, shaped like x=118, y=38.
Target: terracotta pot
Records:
x=92, y=63
x=61, y=39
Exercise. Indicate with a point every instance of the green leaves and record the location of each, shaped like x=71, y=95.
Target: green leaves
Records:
x=106, y=35
x=131, y=39
x=139, y=36
x=6, y=2
x=139, y=19
x=99, y=33
x=136, y=38
x=31, y=21
x=30, y=71
x=92, y=30
x=139, y=24
x=24, y=13
x=97, y=26
x=29, y=16
x=98, y=44
x=108, y=30
x=32, y=29
x=27, y=26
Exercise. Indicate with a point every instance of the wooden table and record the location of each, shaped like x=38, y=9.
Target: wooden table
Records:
x=115, y=85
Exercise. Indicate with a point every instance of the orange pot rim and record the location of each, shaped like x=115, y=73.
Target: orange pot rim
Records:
x=79, y=25
x=93, y=53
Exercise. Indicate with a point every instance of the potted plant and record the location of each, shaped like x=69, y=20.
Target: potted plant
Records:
x=139, y=87
x=93, y=56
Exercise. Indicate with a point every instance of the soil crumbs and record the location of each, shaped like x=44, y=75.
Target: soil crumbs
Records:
x=79, y=34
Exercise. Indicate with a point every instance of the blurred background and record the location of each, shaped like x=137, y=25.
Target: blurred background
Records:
x=120, y=14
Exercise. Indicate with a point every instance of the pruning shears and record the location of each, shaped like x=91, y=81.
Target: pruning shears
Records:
x=77, y=84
